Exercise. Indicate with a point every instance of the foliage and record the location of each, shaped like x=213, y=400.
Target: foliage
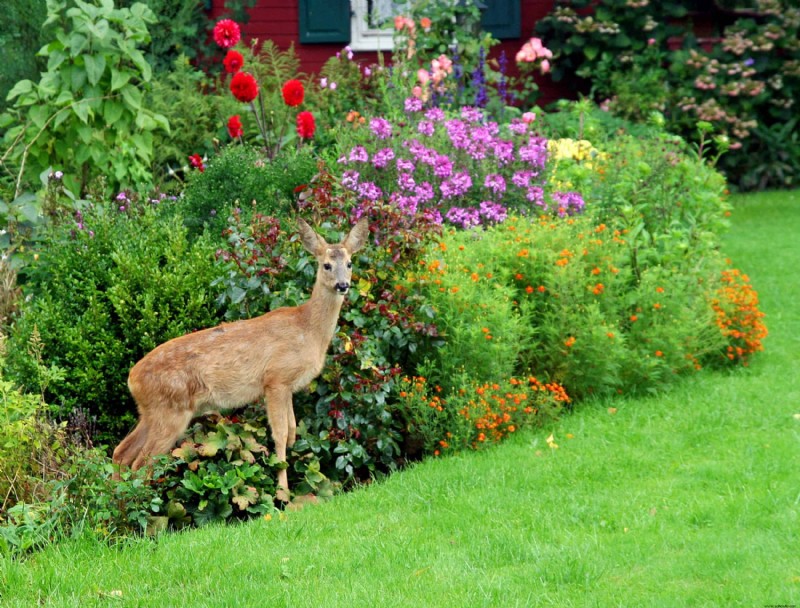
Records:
x=744, y=82
x=240, y=176
x=109, y=285
x=86, y=111
x=19, y=42
x=196, y=113
x=476, y=415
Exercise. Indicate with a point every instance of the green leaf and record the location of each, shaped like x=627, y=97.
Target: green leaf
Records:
x=22, y=87
x=213, y=443
x=119, y=79
x=81, y=110
x=245, y=496
x=132, y=97
x=95, y=66
x=77, y=43
x=112, y=111
x=590, y=52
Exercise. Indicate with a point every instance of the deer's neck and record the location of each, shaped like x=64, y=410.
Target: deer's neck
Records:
x=324, y=307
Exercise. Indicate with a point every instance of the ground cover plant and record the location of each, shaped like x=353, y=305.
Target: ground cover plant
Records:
x=517, y=264
x=686, y=498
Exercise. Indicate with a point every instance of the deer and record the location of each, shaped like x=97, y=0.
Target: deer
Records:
x=269, y=357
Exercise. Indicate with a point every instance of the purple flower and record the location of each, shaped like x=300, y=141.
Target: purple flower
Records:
x=382, y=157
x=424, y=192
x=458, y=133
x=369, y=190
x=466, y=218
x=350, y=180
x=495, y=182
x=122, y=196
x=536, y=195
x=569, y=203
x=503, y=150
x=518, y=127
x=535, y=152
x=442, y=166
x=522, y=179
x=359, y=154
x=432, y=215
x=425, y=127
x=406, y=181
x=413, y=104
x=493, y=212
x=407, y=204
x=381, y=127
x=435, y=114
x=403, y=164
x=458, y=185
x=472, y=114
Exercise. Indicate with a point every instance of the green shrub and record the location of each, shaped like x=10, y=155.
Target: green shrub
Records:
x=240, y=176
x=20, y=40
x=85, y=116
x=110, y=285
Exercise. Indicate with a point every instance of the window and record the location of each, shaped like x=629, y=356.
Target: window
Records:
x=371, y=24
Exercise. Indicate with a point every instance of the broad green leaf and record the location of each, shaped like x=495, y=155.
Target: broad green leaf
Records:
x=112, y=110
x=78, y=78
x=81, y=110
x=119, y=79
x=85, y=133
x=95, y=66
x=590, y=52
x=64, y=98
x=140, y=62
x=39, y=115
x=212, y=444
x=77, y=43
x=57, y=57
x=145, y=121
x=132, y=97
x=23, y=86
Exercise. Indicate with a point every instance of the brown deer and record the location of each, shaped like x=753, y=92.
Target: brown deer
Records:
x=229, y=366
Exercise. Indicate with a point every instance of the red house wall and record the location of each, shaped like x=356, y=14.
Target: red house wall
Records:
x=278, y=21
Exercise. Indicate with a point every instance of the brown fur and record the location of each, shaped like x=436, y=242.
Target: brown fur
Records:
x=234, y=364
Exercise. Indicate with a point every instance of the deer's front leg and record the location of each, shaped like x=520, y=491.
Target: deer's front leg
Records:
x=279, y=414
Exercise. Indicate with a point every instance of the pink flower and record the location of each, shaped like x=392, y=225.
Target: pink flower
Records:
x=227, y=33
x=545, y=66
x=306, y=125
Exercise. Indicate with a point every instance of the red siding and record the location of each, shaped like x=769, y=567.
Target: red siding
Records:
x=278, y=21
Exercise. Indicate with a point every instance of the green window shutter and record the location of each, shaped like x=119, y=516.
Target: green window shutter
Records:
x=502, y=18
x=324, y=21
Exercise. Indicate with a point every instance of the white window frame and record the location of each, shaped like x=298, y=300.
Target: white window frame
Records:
x=363, y=37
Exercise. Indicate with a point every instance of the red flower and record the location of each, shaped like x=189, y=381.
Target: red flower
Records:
x=306, y=125
x=293, y=93
x=235, y=126
x=244, y=86
x=227, y=33
x=233, y=62
x=197, y=162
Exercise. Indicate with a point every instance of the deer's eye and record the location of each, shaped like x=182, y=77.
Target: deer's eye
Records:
x=327, y=267
x=349, y=264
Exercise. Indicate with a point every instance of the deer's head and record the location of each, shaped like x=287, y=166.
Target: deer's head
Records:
x=335, y=267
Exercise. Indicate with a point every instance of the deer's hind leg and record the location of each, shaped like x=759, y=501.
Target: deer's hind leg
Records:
x=129, y=448
x=163, y=433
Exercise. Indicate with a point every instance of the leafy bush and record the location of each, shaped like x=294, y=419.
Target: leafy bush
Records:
x=240, y=176
x=19, y=43
x=111, y=284
x=86, y=111
x=743, y=82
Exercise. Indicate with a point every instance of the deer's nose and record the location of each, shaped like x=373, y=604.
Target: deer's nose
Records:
x=342, y=287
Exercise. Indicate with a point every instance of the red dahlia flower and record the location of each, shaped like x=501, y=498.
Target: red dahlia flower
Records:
x=306, y=125
x=244, y=86
x=227, y=33
x=293, y=93
x=197, y=162
x=233, y=62
x=235, y=126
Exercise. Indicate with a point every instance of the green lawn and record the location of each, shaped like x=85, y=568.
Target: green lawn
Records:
x=686, y=499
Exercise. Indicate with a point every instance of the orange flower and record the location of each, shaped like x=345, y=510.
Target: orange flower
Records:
x=595, y=270
x=659, y=353
x=598, y=289
x=569, y=341
x=659, y=290
x=634, y=318
x=541, y=289
x=474, y=276
x=529, y=289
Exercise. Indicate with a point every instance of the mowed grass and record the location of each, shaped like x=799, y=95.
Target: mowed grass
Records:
x=691, y=498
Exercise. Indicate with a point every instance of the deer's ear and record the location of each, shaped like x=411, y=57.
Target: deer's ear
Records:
x=313, y=242
x=357, y=237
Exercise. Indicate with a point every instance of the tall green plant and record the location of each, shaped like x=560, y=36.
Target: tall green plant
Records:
x=85, y=116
